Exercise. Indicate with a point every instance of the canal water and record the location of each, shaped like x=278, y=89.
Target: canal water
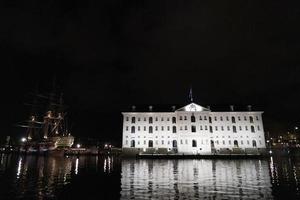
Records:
x=33, y=177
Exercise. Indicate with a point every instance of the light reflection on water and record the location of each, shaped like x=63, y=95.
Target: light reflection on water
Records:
x=194, y=179
x=33, y=177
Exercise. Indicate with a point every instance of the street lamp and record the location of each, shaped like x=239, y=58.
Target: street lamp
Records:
x=23, y=139
x=78, y=145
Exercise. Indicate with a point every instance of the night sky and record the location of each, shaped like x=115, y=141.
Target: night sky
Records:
x=109, y=55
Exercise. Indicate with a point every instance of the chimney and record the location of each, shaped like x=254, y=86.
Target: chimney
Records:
x=173, y=108
x=133, y=108
x=231, y=108
x=150, y=108
x=249, y=108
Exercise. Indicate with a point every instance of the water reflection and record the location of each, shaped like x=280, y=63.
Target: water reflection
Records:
x=193, y=179
x=34, y=177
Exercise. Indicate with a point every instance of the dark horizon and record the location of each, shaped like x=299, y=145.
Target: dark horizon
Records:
x=107, y=56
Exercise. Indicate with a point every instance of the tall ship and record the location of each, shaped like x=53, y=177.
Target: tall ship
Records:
x=47, y=129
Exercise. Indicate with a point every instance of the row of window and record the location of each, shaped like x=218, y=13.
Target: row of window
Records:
x=194, y=143
x=193, y=128
x=193, y=119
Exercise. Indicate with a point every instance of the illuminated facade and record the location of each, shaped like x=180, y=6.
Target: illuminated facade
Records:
x=194, y=130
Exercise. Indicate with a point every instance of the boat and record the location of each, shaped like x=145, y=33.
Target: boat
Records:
x=48, y=133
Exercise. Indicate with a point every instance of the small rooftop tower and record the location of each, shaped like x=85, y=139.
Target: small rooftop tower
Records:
x=231, y=107
x=133, y=108
x=249, y=107
x=150, y=108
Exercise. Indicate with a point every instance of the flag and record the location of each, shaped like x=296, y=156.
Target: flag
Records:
x=191, y=95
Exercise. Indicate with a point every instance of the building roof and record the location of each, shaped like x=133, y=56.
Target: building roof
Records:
x=193, y=108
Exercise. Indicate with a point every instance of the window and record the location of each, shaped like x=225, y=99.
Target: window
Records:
x=205, y=127
x=212, y=144
x=162, y=119
x=139, y=128
x=257, y=118
x=168, y=119
x=234, y=129
x=240, y=128
x=144, y=142
x=185, y=118
x=173, y=120
x=132, y=143
x=150, y=129
x=174, y=129
x=132, y=129
x=133, y=120
x=251, y=119
x=210, y=129
x=156, y=128
x=193, y=129
x=228, y=128
x=139, y=119
x=253, y=143
x=205, y=118
x=229, y=142
x=246, y=127
x=245, y=118
x=162, y=128
x=150, y=120
x=193, y=119
x=194, y=143
x=215, y=118
x=216, y=128
x=222, y=128
x=180, y=118
x=239, y=118
x=156, y=118
x=162, y=142
x=227, y=118
x=258, y=128
x=181, y=142
x=127, y=118
x=186, y=141
x=201, y=128
x=209, y=119
x=126, y=128
x=174, y=143
x=233, y=119
x=221, y=118
x=248, y=142
x=235, y=144
x=200, y=118
x=185, y=127
x=252, y=129
x=223, y=142
x=126, y=142
x=168, y=128
x=144, y=118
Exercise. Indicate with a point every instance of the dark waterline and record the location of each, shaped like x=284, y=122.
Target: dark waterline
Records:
x=34, y=177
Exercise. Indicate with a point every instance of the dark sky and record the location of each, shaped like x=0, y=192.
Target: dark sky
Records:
x=109, y=55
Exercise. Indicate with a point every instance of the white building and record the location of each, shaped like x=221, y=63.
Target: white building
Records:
x=193, y=129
